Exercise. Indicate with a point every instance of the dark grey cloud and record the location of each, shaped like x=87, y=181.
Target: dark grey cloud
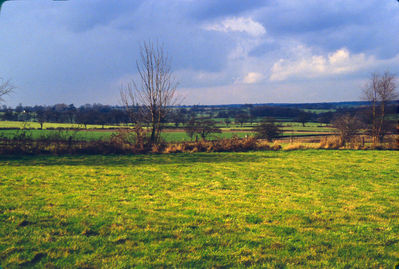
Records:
x=358, y=25
x=306, y=16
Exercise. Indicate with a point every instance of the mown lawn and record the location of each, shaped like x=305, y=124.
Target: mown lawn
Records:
x=315, y=208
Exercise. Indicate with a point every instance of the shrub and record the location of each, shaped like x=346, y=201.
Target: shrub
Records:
x=223, y=145
x=330, y=142
x=393, y=143
x=276, y=146
x=347, y=127
x=294, y=146
x=267, y=129
x=299, y=146
x=202, y=127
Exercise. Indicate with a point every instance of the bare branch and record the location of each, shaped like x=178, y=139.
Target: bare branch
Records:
x=380, y=91
x=155, y=90
x=5, y=88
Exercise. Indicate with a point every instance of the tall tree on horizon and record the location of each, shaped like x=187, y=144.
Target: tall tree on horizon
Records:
x=380, y=91
x=155, y=91
x=5, y=88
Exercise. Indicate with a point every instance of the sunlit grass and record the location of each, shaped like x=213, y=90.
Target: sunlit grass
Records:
x=330, y=209
x=295, y=126
x=36, y=125
x=178, y=135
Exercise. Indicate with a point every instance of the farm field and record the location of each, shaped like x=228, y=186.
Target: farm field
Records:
x=168, y=136
x=87, y=135
x=36, y=125
x=311, y=208
x=309, y=126
x=95, y=132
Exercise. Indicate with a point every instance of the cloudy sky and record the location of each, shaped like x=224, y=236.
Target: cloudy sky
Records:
x=224, y=51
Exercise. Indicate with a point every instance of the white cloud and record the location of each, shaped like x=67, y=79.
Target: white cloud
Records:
x=253, y=77
x=238, y=24
x=306, y=65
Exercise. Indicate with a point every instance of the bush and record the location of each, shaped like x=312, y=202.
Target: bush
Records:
x=223, y=145
x=347, y=127
x=202, y=127
x=330, y=142
x=299, y=146
x=267, y=129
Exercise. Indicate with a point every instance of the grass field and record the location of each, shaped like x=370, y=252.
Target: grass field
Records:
x=36, y=125
x=175, y=136
x=332, y=209
x=94, y=132
x=309, y=126
x=319, y=111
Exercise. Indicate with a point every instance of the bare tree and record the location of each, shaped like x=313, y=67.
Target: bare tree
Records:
x=303, y=117
x=128, y=101
x=267, y=129
x=203, y=127
x=155, y=91
x=241, y=118
x=5, y=88
x=191, y=128
x=380, y=91
x=347, y=127
x=227, y=121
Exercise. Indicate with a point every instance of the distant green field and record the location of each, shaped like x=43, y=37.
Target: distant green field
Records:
x=77, y=135
x=36, y=125
x=182, y=136
x=330, y=209
x=95, y=133
x=319, y=111
x=310, y=126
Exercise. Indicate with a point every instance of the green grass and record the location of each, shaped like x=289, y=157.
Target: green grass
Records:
x=36, y=125
x=182, y=136
x=319, y=111
x=289, y=129
x=286, y=126
x=78, y=135
x=332, y=209
x=84, y=134
x=309, y=127
x=96, y=135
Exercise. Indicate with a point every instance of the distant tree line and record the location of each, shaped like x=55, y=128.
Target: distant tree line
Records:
x=178, y=116
x=62, y=113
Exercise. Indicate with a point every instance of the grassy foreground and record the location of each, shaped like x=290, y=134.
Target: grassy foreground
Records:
x=280, y=209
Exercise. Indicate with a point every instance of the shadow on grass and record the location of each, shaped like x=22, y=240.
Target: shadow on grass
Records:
x=129, y=160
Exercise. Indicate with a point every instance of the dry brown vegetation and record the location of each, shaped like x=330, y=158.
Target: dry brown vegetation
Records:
x=223, y=145
x=335, y=142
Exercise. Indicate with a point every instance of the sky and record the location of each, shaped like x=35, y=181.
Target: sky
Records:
x=221, y=52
